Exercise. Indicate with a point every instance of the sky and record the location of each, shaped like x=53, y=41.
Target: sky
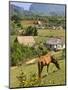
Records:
x=26, y=6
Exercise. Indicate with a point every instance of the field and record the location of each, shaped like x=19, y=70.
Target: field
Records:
x=43, y=35
x=54, y=77
x=27, y=23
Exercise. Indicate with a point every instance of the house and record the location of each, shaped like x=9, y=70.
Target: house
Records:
x=55, y=44
x=60, y=28
x=54, y=27
x=26, y=40
x=39, y=24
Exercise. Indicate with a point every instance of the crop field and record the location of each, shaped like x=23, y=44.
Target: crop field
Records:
x=27, y=23
x=53, y=33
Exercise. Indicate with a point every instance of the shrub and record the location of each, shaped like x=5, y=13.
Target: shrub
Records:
x=20, y=53
x=22, y=79
x=28, y=82
x=16, y=54
x=31, y=31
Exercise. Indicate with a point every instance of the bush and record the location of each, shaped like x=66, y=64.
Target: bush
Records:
x=16, y=54
x=22, y=79
x=13, y=28
x=28, y=82
x=20, y=53
x=41, y=50
x=31, y=31
x=15, y=18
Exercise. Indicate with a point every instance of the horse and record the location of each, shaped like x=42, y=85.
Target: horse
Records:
x=45, y=60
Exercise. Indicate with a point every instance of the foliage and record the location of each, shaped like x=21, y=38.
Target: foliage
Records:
x=15, y=24
x=15, y=18
x=31, y=74
x=13, y=28
x=16, y=54
x=22, y=79
x=31, y=31
x=27, y=82
x=21, y=53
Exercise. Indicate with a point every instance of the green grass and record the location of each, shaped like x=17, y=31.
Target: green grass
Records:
x=49, y=33
x=55, y=77
x=40, y=39
x=43, y=35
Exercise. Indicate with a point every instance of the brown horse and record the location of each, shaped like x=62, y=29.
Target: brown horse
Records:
x=45, y=60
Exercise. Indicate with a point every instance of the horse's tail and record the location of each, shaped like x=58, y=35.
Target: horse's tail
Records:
x=55, y=62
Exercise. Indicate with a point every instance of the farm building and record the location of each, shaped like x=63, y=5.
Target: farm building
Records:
x=60, y=27
x=55, y=43
x=26, y=40
x=39, y=24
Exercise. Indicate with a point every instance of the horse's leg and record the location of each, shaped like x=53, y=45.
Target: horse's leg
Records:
x=47, y=67
x=56, y=63
x=41, y=68
x=39, y=65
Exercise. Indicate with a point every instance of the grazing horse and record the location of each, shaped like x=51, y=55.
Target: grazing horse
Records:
x=45, y=60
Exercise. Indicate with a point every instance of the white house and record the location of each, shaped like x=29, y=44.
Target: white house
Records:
x=55, y=43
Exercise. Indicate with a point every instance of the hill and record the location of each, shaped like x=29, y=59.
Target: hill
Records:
x=48, y=9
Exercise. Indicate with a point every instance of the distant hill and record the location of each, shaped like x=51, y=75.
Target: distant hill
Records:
x=38, y=9
x=19, y=11
x=15, y=10
x=48, y=9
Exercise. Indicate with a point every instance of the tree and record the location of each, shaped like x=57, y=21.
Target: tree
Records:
x=31, y=31
x=15, y=18
x=13, y=28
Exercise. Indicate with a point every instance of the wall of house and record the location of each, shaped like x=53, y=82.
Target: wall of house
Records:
x=56, y=47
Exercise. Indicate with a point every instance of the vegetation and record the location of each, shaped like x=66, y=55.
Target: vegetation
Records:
x=27, y=75
x=20, y=53
x=31, y=81
x=22, y=75
x=31, y=31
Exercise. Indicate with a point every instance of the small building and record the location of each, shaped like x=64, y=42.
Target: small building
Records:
x=26, y=40
x=55, y=44
x=59, y=28
x=54, y=27
x=39, y=24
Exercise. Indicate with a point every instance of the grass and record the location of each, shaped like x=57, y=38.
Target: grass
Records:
x=43, y=35
x=26, y=23
x=55, y=77
x=53, y=33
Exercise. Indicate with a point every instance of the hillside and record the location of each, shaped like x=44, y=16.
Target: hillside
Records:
x=48, y=9
x=38, y=9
